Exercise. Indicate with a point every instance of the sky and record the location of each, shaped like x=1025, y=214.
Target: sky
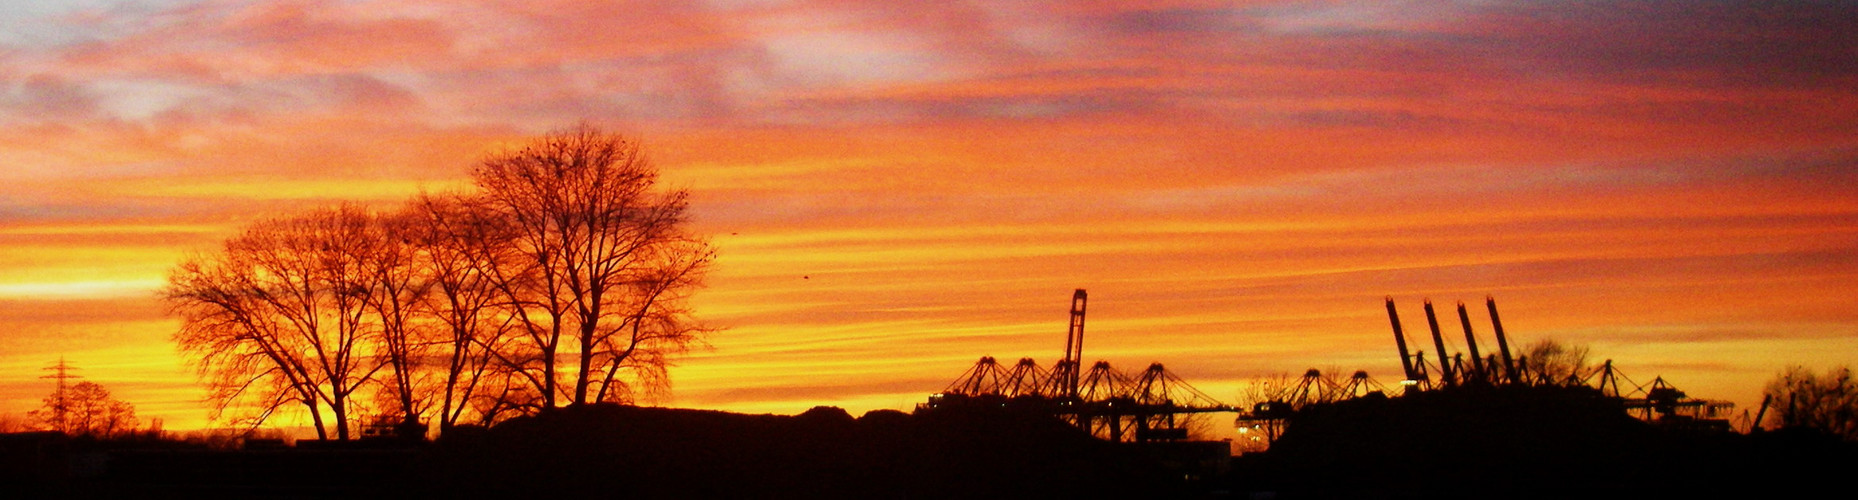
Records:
x=899, y=188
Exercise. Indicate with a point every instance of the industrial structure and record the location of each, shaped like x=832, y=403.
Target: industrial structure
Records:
x=1267, y=417
x=1150, y=406
x=1657, y=402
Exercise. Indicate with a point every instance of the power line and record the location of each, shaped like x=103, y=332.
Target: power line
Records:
x=60, y=405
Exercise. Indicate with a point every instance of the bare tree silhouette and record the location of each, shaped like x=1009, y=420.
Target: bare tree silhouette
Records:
x=1828, y=402
x=396, y=286
x=605, y=264
x=453, y=232
x=86, y=409
x=1549, y=362
x=561, y=280
x=280, y=315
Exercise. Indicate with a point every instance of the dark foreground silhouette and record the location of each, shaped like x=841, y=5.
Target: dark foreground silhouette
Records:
x=1533, y=442
x=610, y=451
x=1518, y=442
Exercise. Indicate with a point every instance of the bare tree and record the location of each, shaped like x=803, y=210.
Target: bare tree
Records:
x=86, y=409
x=11, y=423
x=1828, y=402
x=603, y=262
x=391, y=272
x=563, y=278
x=280, y=316
x=457, y=238
x=1548, y=362
x=1265, y=406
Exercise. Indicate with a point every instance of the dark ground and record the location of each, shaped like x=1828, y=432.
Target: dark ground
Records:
x=1533, y=442
x=609, y=451
x=1475, y=443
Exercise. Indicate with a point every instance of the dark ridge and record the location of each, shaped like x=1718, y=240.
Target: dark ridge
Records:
x=609, y=450
x=1529, y=442
x=612, y=451
x=1469, y=442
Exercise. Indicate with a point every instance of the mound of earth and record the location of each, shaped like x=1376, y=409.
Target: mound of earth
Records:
x=1529, y=442
x=623, y=451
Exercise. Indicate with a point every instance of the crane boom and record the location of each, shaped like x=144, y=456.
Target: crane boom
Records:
x=1074, y=343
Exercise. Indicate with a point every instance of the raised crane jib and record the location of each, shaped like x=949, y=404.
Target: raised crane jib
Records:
x=1074, y=342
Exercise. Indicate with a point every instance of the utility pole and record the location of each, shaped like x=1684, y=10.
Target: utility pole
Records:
x=60, y=405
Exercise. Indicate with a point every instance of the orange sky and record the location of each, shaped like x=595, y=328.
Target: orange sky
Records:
x=897, y=190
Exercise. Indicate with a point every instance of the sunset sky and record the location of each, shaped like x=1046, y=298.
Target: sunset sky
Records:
x=898, y=188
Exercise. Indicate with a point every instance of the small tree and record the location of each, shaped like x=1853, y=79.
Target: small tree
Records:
x=1804, y=399
x=1264, y=408
x=10, y=423
x=86, y=409
x=1548, y=362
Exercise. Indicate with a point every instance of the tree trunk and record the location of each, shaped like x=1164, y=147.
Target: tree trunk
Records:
x=341, y=417
x=316, y=417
